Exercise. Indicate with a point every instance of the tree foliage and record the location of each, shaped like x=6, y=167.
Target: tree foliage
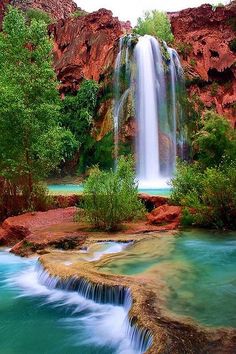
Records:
x=207, y=186
x=111, y=197
x=79, y=115
x=31, y=136
x=214, y=141
x=155, y=23
x=209, y=195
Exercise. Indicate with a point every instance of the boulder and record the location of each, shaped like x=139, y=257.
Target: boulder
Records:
x=31, y=232
x=165, y=214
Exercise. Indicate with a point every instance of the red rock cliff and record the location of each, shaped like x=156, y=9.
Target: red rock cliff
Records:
x=203, y=38
x=85, y=47
x=58, y=9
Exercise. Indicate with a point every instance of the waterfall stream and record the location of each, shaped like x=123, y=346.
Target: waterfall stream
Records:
x=151, y=73
x=73, y=316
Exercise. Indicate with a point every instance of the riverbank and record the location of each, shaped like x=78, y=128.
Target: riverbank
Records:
x=62, y=244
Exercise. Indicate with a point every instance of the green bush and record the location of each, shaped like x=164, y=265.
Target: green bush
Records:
x=111, y=198
x=184, y=49
x=209, y=196
x=155, y=23
x=39, y=15
x=215, y=141
x=79, y=13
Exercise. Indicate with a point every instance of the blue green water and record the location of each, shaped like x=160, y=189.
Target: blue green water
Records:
x=78, y=188
x=199, y=268
x=35, y=319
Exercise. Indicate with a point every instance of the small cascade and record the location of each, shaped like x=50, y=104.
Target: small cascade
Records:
x=154, y=78
x=121, y=86
x=141, y=339
x=176, y=87
x=99, y=293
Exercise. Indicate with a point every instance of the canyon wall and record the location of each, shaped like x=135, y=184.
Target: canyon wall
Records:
x=205, y=38
x=86, y=47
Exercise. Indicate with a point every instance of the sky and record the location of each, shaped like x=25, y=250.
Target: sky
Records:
x=132, y=9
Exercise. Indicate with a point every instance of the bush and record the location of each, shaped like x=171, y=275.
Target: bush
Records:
x=155, y=23
x=111, y=198
x=39, y=15
x=209, y=196
x=215, y=141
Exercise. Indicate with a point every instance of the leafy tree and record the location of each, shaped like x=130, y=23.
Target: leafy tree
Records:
x=78, y=111
x=111, y=198
x=214, y=141
x=155, y=23
x=31, y=137
x=209, y=196
x=79, y=115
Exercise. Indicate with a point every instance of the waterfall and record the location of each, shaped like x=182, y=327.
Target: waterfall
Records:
x=140, y=338
x=122, y=66
x=154, y=74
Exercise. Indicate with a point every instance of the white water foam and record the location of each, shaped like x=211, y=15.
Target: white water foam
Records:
x=96, y=324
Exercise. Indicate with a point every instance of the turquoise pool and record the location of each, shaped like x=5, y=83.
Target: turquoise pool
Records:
x=40, y=320
x=78, y=188
x=199, y=268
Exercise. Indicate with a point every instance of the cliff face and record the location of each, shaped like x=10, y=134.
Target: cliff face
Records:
x=58, y=9
x=205, y=40
x=85, y=47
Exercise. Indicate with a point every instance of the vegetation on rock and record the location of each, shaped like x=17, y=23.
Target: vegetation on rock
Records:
x=155, y=23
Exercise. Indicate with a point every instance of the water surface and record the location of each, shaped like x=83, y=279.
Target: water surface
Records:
x=199, y=268
x=35, y=319
x=78, y=188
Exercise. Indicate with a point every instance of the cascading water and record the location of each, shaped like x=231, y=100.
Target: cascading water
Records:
x=94, y=320
x=153, y=77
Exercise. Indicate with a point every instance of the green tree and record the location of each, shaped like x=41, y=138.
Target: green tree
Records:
x=155, y=23
x=209, y=196
x=31, y=137
x=79, y=116
x=215, y=141
x=111, y=197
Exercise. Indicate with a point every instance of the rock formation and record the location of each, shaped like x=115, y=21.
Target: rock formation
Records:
x=205, y=39
x=85, y=47
x=57, y=9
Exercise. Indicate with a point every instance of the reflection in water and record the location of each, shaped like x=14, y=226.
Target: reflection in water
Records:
x=199, y=268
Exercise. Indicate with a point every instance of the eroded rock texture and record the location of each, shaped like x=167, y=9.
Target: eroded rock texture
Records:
x=85, y=47
x=205, y=38
x=58, y=9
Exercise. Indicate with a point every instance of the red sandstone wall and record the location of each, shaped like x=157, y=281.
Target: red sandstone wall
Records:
x=210, y=62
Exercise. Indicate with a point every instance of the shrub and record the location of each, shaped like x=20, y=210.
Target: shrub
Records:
x=79, y=13
x=184, y=49
x=209, y=196
x=39, y=15
x=215, y=141
x=111, y=198
x=155, y=23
